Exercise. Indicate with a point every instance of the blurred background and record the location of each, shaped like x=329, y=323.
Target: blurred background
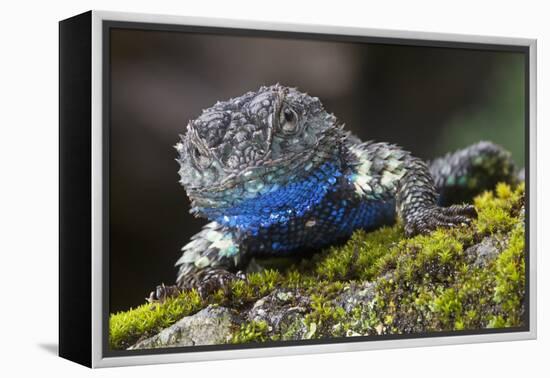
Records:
x=428, y=100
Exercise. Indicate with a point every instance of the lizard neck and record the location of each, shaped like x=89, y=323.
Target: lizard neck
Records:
x=281, y=204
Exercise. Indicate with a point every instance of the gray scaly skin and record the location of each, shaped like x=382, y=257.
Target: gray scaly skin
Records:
x=276, y=174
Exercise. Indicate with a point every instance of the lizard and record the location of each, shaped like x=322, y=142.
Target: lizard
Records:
x=275, y=174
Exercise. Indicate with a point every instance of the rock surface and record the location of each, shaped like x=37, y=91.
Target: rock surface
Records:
x=213, y=325
x=284, y=313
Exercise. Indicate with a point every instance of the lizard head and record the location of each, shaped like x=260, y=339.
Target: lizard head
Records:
x=240, y=149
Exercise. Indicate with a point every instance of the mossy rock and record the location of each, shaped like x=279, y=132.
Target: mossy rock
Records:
x=465, y=278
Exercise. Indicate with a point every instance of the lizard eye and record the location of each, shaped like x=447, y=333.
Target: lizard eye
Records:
x=288, y=120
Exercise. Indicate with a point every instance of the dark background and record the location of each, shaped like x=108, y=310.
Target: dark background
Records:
x=430, y=100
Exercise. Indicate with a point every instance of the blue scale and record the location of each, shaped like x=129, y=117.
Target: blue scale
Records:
x=309, y=213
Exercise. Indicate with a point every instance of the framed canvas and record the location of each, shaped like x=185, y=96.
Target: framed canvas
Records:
x=232, y=189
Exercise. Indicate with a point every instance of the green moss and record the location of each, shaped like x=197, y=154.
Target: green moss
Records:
x=359, y=257
x=495, y=212
x=324, y=314
x=251, y=332
x=434, y=281
x=425, y=283
x=510, y=278
x=125, y=328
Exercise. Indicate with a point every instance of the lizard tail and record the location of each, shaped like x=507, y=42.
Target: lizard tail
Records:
x=461, y=175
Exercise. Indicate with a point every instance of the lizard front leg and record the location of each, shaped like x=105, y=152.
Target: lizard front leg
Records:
x=416, y=200
x=208, y=263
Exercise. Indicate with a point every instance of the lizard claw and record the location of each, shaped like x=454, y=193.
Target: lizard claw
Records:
x=434, y=217
x=208, y=281
x=163, y=292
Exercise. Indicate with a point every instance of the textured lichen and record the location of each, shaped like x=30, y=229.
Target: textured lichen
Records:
x=379, y=282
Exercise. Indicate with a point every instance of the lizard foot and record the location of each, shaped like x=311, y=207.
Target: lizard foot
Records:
x=433, y=217
x=163, y=292
x=208, y=281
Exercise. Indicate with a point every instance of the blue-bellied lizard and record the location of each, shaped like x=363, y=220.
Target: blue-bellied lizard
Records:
x=276, y=174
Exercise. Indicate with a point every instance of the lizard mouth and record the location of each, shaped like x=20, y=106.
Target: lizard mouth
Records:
x=265, y=176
